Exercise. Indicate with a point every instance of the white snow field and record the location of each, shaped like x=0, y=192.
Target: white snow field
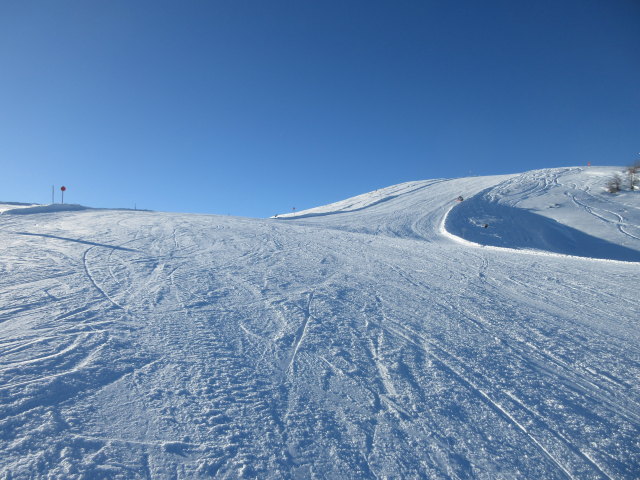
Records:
x=387, y=336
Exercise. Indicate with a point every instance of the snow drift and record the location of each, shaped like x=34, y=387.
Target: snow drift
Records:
x=27, y=209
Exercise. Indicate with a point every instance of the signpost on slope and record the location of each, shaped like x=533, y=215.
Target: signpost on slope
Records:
x=62, y=189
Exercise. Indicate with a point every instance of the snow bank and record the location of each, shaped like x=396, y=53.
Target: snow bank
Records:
x=34, y=208
x=4, y=206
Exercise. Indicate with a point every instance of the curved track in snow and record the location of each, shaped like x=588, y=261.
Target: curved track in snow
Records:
x=351, y=341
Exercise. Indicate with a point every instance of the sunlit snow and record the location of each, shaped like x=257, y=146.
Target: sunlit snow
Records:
x=397, y=334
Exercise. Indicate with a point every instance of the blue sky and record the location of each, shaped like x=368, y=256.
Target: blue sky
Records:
x=253, y=107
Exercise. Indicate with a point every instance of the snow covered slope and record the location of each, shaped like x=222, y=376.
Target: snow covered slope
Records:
x=558, y=210
x=8, y=206
x=28, y=208
x=352, y=341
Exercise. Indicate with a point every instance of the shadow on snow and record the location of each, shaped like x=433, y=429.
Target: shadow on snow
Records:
x=114, y=247
x=512, y=227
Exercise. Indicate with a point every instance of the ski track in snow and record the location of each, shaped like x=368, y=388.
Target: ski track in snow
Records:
x=356, y=340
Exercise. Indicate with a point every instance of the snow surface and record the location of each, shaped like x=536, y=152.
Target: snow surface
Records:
x=7, y=206
x=373, y=338
x=565, y=211
x=27, y=208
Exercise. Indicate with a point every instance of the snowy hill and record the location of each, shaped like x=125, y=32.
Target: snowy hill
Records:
x=29, y=208
x=562, y=210
x=386, y=336
x=9, y=206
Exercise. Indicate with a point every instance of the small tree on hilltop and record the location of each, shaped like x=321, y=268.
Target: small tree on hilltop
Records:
x=614, y=184
x=633, y=173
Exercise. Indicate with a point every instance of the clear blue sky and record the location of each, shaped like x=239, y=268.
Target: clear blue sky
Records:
x=252, y=107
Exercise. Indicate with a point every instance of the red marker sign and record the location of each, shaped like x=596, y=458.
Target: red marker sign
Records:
x=63, y=189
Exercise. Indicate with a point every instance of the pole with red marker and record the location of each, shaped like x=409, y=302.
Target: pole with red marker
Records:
x=62, y=189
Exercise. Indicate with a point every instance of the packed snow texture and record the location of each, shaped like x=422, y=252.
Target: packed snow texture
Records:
x=387, y=336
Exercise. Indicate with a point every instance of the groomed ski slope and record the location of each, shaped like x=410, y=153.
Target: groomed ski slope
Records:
x=386, y=336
